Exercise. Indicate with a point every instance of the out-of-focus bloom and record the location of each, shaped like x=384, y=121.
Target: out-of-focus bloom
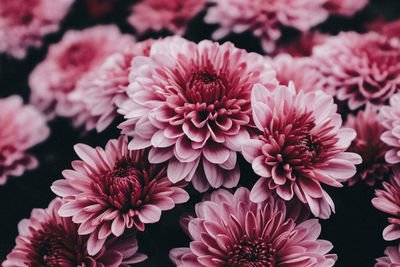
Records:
x=76, y=55
x=368, y=145
x=156, y=15
x=191, y=103
x=360, y=68
x=300, y=146
x=23, y=23
x=115, y=189
x=345, y=7
x=230, y=230
x=392, y=258
x=388, y=200
x=21, y=127
x=99, y=8
x=46, y=239
x=390, y=118
x=303, y=45
x=99, y=88
x=265, y=18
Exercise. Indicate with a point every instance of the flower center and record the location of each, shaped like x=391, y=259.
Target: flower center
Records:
x=79, y=54
x=251, y=253
x=205, y=87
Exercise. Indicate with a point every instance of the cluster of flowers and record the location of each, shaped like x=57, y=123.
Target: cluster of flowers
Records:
x=189, y=110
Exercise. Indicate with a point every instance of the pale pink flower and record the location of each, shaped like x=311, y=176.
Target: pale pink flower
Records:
x=100, y=87
x=191, y=104
x=301, y=145
x=368, y=145
x=359, y=68
x=113, y=190
x=23, y=23
x=265, y=18
x=392, y=258
x=388, y=200
x=345, y=7
x=78, y=53
x=390, y=119
x=156, y=15
x=21, y=127
x=46, y=239
x=230, y=230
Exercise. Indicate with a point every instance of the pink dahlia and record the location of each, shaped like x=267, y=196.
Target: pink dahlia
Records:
x=392, y=258
x=113, y=190
x=368, y=145
x=100, y=87
x=388, y=200
x=265, y=18
x=345, y=7
x=191, y=104
x=156, y=15
x=359, y=68
x=301, y=145
x=23, y=23
x=390, y=119
x=47, y=239
x=230, y=230
x=21, y=127
x=76, y=55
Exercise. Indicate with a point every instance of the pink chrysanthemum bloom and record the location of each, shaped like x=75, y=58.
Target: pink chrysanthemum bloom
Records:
x=303, y=45
x=265, y=18
x=76, y=55
x=392, y=258
x=23, y=23
x=301, y=145
x=99, y=88
x=191, y=103
x=368, y=145
x=46, y=239
x=388, y=200
x=156, y=15
x=360, y=68
x=230, y=230
x=115, y=189
x=390, y=119
x=345, y=7
x=21, y=127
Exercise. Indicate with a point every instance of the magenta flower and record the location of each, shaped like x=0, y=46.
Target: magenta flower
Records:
x=191, y=103
x=265, y=19
x=230, y=230
x=23, y=23
x=359, y=68
x=345, y=7
x=301, y=144
x=47, y=239
x=390, y=118
x=392, y=258
x=388, y=200
x=156, y=15
x=100, y=87
x=21, y=127
x=76, y=55
x=115, y=189
x=368, y=145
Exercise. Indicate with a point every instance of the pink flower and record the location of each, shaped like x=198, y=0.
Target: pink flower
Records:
x=23, y=23
x=265, y=18
x=368, y=145
x=21, y=127
x=76, y=55
x=115, y=189
x=47, y=239
x=230, y=230
x=191, y=104
x=390, y=118
x=392, y=258
x=304, y=44
x=388, y=200
x=301, y=145
x=345, y=7
x=156, y=15
x=100, y=87
x=360, y=68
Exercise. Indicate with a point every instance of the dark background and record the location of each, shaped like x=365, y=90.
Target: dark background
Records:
x=355, y=230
